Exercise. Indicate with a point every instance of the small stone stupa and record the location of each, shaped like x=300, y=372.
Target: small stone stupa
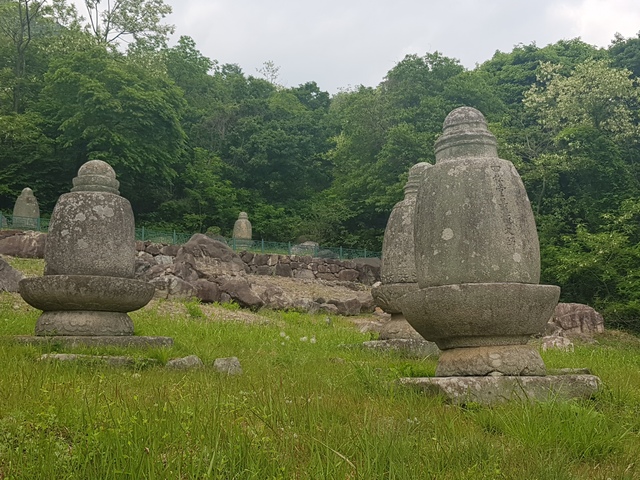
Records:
x=26, y=212
x=242, y=231
x=398, y=269
x=478, y=271
x=88, y=284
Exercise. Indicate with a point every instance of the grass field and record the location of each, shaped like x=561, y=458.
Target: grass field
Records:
x=305, y=408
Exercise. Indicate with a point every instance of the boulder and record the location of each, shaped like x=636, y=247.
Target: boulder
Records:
x=239, y=289
x=210, y=257
x=228, y=365
x=9, y=277
x=576, y=318
x=171, y=287
x=207, y=291
x=185, y=363
x=24, y=244
x=273, y=297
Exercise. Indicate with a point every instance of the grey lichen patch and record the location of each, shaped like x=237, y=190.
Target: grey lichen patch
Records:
x=447, y=234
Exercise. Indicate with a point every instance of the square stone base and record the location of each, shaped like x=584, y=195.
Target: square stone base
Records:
x=97, y=341
x=489, y=390
x=408, y=346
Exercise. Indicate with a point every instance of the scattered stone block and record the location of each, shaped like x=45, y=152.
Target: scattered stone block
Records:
x=185, y=363
x=498, y=389
x=9, y=277
x=228, y=365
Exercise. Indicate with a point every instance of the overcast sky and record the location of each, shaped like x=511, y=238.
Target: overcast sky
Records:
x=342, y=43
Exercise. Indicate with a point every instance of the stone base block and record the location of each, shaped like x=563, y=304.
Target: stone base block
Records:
x=98, y=341
x=490, y=390
x=398, y=327
x=84, y=322
x=516, y=360
x=410, y=347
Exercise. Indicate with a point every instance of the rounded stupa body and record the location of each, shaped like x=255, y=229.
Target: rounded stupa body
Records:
x=92, y=229
x=474, y=222
x=242, y=227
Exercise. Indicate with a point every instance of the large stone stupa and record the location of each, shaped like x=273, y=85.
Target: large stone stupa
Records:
x=88, y=285
x=478, y=271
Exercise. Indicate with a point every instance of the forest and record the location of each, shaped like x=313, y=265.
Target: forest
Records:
x=194, y=141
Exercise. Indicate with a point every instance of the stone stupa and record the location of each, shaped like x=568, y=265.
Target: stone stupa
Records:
x=242, y=234
x=478, y=272
x=88, y=285
x=26, y=212
x=398, y=271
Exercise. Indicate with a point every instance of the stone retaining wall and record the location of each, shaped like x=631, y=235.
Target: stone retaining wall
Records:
x=365, y=271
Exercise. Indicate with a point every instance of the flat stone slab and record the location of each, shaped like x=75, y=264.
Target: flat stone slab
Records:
x=113, y=360
x=411, y=347
x=97, y=341
x=490, y=390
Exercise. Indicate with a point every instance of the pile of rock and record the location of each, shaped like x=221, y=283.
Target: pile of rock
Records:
x=212, y=272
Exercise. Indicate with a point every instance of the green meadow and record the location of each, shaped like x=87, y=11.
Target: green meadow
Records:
x=306, y=407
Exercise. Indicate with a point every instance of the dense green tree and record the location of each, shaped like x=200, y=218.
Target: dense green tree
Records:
x=96, y=105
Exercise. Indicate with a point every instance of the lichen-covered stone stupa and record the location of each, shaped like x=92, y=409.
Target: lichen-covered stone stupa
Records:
x=478, y=271
x=398, y=270
x=88, y=284
x=26, y=212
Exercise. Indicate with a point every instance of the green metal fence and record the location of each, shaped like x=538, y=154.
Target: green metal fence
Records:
x=24, y=223
x=178, y=238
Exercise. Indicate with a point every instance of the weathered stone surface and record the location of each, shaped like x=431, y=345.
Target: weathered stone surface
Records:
x=328, y=308
x=473, y=220
x=308, y=305
x=283, y=270
x=170, y=250
x=24, y=245
x=398, y=327
x=409, y=347
x=163, y=259
x=304, y=274
x=172, y=287
x=207, y=291
x=347, y=307
x=210, y=257
x=229, y=365
x=239, y=290
x=348, y=275
x=577, y=318
x=153, y=249
x=480, y=314
x=91, y=233
x=398, y=253
x=9, y=277
x=242, y=227
x=185, y=363
x=491, y=390
x=97, y=341
x=556, y=342
x=84, y=323
x=273, y=297
x=387, y=296
x=510, y=360
x=26, y=212
x=85, y=292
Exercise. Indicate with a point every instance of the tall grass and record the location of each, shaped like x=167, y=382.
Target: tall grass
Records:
x=302, y=409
